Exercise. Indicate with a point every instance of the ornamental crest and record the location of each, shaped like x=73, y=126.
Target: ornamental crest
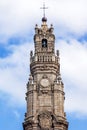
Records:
x=45, y=121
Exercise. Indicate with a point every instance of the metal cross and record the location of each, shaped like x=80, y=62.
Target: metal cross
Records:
x=44, y=9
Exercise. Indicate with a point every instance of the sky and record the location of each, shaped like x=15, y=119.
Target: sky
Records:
x=17, y=22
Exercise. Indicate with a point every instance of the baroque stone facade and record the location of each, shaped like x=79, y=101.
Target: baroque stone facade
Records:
x=45, y=89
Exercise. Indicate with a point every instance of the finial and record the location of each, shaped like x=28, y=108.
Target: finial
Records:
x=44, y=19
x=57, y=52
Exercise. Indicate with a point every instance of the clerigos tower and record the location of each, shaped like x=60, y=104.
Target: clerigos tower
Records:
x=45, y=89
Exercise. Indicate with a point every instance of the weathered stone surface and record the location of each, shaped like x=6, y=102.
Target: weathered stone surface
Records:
x=45, y=94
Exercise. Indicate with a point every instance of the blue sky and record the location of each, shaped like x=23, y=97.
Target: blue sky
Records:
x=17, y=22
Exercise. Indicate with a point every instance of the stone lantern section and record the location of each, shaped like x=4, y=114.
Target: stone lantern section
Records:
x=45, y=89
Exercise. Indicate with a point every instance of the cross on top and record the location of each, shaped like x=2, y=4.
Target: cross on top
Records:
x=44, y=8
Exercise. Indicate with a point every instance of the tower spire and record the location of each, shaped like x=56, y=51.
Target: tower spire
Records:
x=44, y=19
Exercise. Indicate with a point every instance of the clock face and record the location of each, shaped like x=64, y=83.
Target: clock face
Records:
x=44, y=82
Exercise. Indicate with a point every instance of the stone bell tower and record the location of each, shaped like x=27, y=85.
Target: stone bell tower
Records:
x=45, y=94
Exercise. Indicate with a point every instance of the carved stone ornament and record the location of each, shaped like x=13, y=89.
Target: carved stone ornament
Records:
x=44, y=82
x=45, y=121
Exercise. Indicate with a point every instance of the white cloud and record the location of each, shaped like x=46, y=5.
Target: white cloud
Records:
x=14, y=71
x=74, y=72
x=20, y=16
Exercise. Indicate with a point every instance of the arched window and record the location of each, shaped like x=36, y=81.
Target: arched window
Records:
x=44, y=42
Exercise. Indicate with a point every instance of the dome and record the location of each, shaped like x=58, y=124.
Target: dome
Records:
x=44, y=19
